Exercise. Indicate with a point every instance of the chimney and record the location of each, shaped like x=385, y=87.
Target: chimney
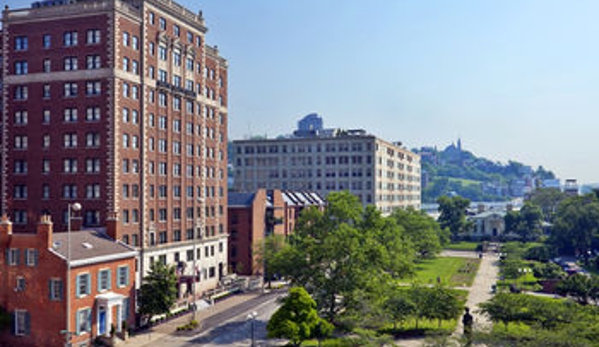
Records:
x=5, y=231
x=112, y=223
x=45, y=230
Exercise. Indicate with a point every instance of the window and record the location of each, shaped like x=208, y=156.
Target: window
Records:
x=21, y=284
x=125, y=38
x=20, y=167
x=162, y=75
x=162, y=238
x=70, y=89
x=177, y=58
x=93, y=36
x=20, y=117
x=123, y=276
x=70, y=140
x=126, y=64
x=55, y=289
x=12, y=256
x=189, y=37
x=92, y=114
x=46, y=92
x=104, y=281
x=84, y=284
x=162, y=23
x=84, y=321
x=21, y=322
x=69, y=191
x=47, y=65
x=93, y=88
x=46, y=166
x=176, y=30
x=125, y=140
x=45, y=192
x=92, y=191
x=92, y=165
x=21, y=67
x=21, y=93
x=92, y=139
x=70, y=165
x=152, y=18
x=135, y=42
x=93, y=62
x=21, y=142
x=21, y=43
x=69, y=38
x=47, y=41
x=70, y=115
x=162, y=52
x=135, y=67
x=20, y=191
x=70, y=63
x=20, y=216
x=126, y=90
x=162, y=99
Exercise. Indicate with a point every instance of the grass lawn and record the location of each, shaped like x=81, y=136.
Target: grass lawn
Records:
x=452, y=271
x=462, y=246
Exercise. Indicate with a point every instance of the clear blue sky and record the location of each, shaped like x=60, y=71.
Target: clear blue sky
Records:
x=515, y=79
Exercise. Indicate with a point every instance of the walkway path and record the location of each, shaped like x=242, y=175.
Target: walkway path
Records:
x=480, y=291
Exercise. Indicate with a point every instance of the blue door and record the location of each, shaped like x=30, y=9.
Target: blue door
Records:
x=102, y=319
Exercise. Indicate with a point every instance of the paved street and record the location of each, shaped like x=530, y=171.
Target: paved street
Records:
x=223, y=324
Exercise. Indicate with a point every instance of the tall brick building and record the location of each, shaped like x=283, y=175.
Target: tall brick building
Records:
x=119, y=105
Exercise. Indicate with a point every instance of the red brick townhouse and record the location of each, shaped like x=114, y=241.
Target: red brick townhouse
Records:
x=39, y=291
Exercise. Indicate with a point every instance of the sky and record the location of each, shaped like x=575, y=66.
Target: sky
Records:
x=514, y=79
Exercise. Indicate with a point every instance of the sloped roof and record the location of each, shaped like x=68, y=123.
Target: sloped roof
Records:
x=90, y=246
x=240, y=199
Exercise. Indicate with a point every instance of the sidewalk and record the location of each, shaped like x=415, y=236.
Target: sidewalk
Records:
x=165, y=329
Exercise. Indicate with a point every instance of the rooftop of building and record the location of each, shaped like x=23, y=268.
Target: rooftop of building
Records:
x=302, y=198
x=88, y=246
x=240, y=199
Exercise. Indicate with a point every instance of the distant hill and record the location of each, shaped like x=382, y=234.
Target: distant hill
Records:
x=455, y=171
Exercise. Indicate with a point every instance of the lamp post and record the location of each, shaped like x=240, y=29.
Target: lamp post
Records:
x=252, y=318
x=70, y=209
x=196, y=235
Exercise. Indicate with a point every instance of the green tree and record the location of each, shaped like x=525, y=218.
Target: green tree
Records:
x=578, y=286
x=505, y=308
x=526, y=223
x=453, y=215
x=343, y=252
x=158, y=291
x=268, y=252
x=399, y=306
x=423, y=231
x=548, y=199
x=297, y=319
x=576, y=225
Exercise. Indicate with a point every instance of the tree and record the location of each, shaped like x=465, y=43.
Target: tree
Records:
x=399, y=307
x=578, y=286
x=442, y=304
x=576, y=225
x=268, y=255
x=526, y=222
x=424, y=232
x=158, y=291
x=453, y=215
x=297, y=319
x=505, y=308
x=343, y=253
x=548, y=199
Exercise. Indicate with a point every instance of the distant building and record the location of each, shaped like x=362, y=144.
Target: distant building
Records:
x=37, y=286
x=488, y=224
x=310, y=124
x=376, y=171
x=252, y=216
x=571, y=187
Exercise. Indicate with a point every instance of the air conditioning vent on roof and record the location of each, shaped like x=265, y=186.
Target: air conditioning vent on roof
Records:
x=87, y=245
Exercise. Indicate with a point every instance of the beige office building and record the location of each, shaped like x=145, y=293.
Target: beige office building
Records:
x=376, y=171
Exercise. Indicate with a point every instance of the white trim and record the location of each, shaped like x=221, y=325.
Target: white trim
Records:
x=103, y=258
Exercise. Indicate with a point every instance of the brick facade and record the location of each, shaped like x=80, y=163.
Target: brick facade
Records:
x=34, y=258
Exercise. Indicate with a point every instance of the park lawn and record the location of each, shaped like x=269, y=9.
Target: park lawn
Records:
x=463, y=246
x=452, y=271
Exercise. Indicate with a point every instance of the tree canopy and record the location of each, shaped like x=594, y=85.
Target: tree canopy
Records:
x=453, y=215
x=423, y=231
x=158, y=291
x=297, y=319
x=344, y=253
x=576, y=225
x=526, y=223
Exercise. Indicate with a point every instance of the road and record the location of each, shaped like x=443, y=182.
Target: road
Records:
x=230, y=327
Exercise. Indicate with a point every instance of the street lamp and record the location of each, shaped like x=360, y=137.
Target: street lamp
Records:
x=252, y=318
x=196, y=234
x=70, y=209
